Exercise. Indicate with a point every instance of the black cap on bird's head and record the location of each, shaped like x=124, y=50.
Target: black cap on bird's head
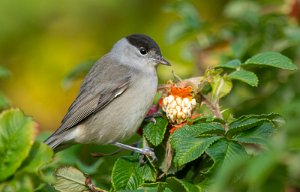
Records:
x=145, y=44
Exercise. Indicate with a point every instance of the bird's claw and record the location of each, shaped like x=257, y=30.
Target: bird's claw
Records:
x=149, y=152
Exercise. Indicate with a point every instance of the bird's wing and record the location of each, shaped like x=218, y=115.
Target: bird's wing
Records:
x=95, y=95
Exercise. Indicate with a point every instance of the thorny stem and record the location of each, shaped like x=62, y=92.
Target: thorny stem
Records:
x=214, y=107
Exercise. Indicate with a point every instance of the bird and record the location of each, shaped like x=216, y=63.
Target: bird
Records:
x=114, y=97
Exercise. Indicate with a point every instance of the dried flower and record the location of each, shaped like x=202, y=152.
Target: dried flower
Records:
x=179, y=104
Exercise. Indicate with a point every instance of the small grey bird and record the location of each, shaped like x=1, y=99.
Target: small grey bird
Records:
x=114, y=97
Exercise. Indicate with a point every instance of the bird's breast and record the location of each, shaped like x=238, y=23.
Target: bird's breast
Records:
x=123, y=116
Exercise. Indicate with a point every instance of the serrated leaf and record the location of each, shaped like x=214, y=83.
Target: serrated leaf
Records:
x=198, y=129
x=40, y=154
x=271, y=59
x=189, y=149
x=233, y=64
x=16, y=139
x=155, y=132
x=146, y=172
x=224, y=151
x=70, y=179
x=245, y=76
x=256, y=135
x=203, y=119
x=190, y=141
x=125, y=176
x=250, y=121
x=153, y=187
x=244, y=124
x=177, y=185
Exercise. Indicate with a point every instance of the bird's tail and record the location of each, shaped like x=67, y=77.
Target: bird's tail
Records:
x=56, y=142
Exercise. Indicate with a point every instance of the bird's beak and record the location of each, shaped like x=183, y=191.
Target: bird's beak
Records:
x=163, y=61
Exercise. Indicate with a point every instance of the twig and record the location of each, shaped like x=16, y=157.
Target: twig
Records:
x=91, y=186
x=215, y=108
x=105, y=154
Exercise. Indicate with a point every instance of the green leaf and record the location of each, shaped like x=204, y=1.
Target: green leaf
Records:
x=177, y=185
x=271, y=59
x=155, y=132
x=70, y=179
x=125, y=175
x=245, y=76
x=40, y=154
x=189, y=149
x=16, y=139
x=223, y=152
x=233, y=64
x=205, y=119
x=197, y=129
x=250, y=121
x=244, y=124
x=256, y=135
x=146, y=172
x=190, y=141
x=18, y=183
x=221, y=86
x=153, y=187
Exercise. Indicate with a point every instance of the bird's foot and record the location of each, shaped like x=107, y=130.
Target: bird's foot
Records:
x=149, y=152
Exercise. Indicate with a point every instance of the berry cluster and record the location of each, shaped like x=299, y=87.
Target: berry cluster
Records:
x=178, y=109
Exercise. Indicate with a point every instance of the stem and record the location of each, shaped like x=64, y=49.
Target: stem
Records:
x=214, y=107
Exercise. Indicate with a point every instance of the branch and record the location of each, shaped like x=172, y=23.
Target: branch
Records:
x=215, y=108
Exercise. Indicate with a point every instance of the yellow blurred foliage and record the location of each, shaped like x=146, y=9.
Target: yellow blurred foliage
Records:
x=41, y=41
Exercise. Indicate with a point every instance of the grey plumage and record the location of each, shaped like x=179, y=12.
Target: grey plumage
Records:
x=114, y=97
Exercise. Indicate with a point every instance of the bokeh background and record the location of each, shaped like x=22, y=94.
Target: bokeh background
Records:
x=41, y=42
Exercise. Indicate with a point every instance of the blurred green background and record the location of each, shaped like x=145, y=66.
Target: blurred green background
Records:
x=42, y=41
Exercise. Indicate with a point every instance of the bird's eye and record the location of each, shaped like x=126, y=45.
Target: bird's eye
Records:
x=143, y=51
